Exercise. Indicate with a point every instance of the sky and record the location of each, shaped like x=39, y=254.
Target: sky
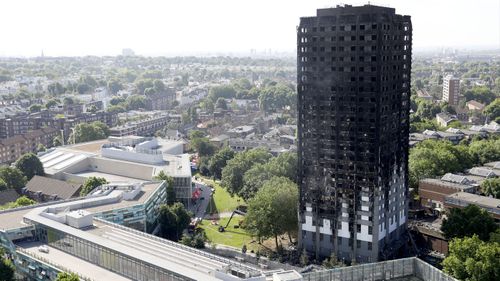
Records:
x=197, y=27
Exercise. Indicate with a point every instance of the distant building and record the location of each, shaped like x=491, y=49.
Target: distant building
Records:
x=160, y=101
x=127, y=52
x=12, y=148
x=474, y=105
x=464, y=199
x=145, y=127
x=451, y=90
x=444, y=118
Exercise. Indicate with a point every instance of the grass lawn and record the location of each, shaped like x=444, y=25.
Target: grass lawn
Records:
x=235, y=237
x=222, y=200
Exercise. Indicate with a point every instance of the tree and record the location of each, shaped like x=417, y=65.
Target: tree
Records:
x=83, y=88
x=57, y=141
x=116, y=100
x=13, y=178
x=223, y=91
x=219, y=161
x=273, y=210
x=3, y=185
x=221, y=104
x=491, y=187
x=85, y=132
x=171, y=197
x=232, y=174
x=470, y=258
x=432, y=158
x=30, y=165
x=91, y=183
x=135, y=102
x=115, y=86
x=116, y=109
x=64, y=276
x=332, y=262
x=481, y=94
x=143, y=84
x=50, y=104
x=35, y=108
x=56, y=89
x=6, y=268
x=468, y=221
x=484, y=151
x=492, y=110
x=158, y=86
x=173, y=220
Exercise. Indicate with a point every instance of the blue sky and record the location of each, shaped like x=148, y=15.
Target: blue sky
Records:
x=150, y=27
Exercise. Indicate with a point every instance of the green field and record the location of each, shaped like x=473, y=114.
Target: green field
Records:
x=221, y=200
x=235, y=237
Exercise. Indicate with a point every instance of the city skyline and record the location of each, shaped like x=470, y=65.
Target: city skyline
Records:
x=76, y=28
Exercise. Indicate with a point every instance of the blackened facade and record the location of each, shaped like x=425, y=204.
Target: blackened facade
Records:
x=353, y=72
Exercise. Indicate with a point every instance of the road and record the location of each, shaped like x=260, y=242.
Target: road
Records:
x=200, y=206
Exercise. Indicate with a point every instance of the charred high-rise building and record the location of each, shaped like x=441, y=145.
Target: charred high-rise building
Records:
x=353, y=72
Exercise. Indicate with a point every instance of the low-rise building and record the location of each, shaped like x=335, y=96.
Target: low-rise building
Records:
x=145, y=127
x=444, y=119
x=463, y=199
x=43, y=189
x=13, y=147
x=134, y=160
x=474, y=105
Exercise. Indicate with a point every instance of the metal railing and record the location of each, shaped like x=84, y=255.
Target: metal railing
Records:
x=54, y=266
x=386, y=270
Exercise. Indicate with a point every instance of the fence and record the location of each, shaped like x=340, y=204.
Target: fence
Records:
x=387, y=270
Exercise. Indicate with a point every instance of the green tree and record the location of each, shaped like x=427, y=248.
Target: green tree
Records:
x=219, y=161
x=143, y=84
x=3, y=185
x=221, y=104
x=484, y=151
x=56, y=89
x=91, y=183
x=13, y=178
x=273, y=210
x=432, y=158
x=135, y=102
x=173, y=220
x=158, y=86
x=114, y=86
x=493, y=109
x=35, y=108
x=116, y=109
x=171, y=196
x=468, y=221
x=57, y=141
x=471, y=259
x=51, y=103
x=6, y=268
x=116, y=100
x=85, y=132
x=30, y=165
x=233, y=172
x=64, y=276
x=223, y=91
x=481, y=94
x=491, y=187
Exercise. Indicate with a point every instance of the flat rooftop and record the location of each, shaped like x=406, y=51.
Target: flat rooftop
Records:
x=108, y=177
x=92, y=147
x=12, y=219
x=64, y=260
x=476, y=199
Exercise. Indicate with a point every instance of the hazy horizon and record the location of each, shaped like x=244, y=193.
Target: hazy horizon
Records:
x=196, y=27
